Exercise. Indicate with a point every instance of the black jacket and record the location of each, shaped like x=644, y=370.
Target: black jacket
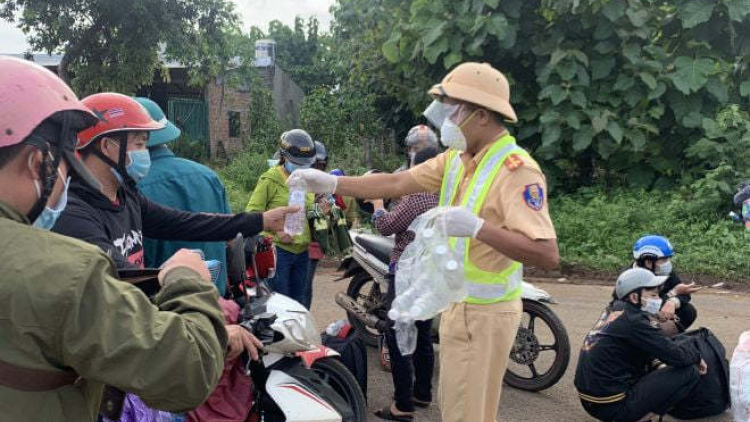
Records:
x=616, y=354
x=118, y=229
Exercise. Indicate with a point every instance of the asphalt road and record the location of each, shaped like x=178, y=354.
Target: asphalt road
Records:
x=726, y=313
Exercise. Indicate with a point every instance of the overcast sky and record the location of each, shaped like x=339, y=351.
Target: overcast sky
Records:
x=253, y=12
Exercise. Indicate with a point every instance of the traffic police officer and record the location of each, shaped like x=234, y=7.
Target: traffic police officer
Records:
x=496, y=208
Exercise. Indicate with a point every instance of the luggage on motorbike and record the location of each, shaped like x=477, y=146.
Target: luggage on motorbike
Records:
x=353, y=355
x=739, y=385
x=332, y=233
x=711, y=396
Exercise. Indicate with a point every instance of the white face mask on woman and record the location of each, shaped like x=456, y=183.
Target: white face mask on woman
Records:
x=663, y=269
x=652, y=305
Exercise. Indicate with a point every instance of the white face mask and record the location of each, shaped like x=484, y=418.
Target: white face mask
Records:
x=663, y=269
x=652, y=305
x=439, y=114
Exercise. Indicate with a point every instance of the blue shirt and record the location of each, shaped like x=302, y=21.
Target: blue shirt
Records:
x=185, y=185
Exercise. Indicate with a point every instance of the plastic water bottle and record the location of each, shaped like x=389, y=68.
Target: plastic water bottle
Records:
x=293, y=225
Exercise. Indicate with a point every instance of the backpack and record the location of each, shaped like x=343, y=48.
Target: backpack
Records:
x=353, y=355
x=711, y=396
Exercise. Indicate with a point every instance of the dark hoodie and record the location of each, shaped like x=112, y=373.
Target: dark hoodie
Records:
x=118, y=229
x=618, y=350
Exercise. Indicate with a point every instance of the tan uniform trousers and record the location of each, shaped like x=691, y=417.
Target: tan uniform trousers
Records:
x=475, y=344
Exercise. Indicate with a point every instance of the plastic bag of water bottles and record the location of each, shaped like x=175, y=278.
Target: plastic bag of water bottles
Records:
x=739, y=379
x=429, y=278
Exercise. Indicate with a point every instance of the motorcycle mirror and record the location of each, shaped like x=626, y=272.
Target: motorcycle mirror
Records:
x=236, y=262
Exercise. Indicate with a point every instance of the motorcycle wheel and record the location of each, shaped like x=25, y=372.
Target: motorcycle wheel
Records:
x=338, y=377
x=532, y=347
x=363, y=289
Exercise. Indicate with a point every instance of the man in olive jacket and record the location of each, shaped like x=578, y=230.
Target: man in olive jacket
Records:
x=67, y=325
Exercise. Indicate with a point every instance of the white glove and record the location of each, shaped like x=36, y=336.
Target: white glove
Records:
x=317, y=181
x=460, y=222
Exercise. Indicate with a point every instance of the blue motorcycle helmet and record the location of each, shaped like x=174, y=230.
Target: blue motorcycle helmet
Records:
x=654, y=252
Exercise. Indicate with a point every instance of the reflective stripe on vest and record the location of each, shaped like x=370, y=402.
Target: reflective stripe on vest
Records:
x=483, y=286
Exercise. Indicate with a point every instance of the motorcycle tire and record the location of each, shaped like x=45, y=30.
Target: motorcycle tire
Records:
x=538, y=382
x=338, y=377
x=370, y=336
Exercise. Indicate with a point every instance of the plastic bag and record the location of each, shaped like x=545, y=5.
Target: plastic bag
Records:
x=429, y=278
x=739, y=376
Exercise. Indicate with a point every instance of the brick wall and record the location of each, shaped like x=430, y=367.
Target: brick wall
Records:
x=221, y=143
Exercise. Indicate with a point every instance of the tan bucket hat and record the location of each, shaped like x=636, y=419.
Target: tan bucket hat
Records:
x=480, y=84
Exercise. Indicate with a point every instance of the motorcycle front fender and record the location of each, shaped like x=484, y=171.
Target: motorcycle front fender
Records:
x=530, y=292
x=303, y=396
x=309, y=357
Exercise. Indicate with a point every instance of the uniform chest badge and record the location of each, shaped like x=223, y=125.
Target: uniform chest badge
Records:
x=533, y=195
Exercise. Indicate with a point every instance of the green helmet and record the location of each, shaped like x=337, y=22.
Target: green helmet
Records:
x=161, y=136
x=297, y=147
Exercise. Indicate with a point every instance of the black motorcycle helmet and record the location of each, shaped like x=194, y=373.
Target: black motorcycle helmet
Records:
x=297, y=147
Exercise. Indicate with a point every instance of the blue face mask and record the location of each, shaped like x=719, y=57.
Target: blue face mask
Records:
x=49, y=216
x=140, y=164
x=289, y=167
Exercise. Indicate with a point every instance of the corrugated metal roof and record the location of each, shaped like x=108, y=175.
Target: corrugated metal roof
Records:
x=51, y=60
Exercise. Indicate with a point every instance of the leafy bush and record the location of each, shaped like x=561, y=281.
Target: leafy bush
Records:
x=597, y=229
x=241, y=176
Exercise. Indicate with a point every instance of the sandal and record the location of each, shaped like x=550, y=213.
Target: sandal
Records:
x=385, y=413
x=420, y=403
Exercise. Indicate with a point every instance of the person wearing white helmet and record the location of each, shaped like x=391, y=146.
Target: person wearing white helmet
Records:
x=418, y=138
x=494, y=199
x=612, y=378
x=655, y=253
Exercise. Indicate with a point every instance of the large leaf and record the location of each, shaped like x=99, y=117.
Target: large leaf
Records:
x=557, y=57
x=637, y=139
x=433, y=34
x=434, y=51
x=614, y=9
x=492, y=3
x=615, y=131
x=637, y=17
x=452, y=59
x=738, y=9
x=695, y=12
x=549, y=116
x=606, y=147
x=578, y=98
x=648, y=79
x=657, y=92
x=550, y=135
x=632, y=52
x=567, y=70
x=573, y=121
x=599, y=123
x=601, y=68
x=691, y=75
x=391, y=48
x=498, y=26
x=718, y=89
x=623, y=83
x=582, y=138
x=604, y=47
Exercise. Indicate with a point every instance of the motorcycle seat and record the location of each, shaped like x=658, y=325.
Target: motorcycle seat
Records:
x=378, y=246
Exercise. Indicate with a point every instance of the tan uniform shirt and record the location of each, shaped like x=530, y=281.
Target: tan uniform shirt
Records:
x=517, y=201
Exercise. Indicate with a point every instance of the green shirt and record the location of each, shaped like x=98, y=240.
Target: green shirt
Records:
x=61, y=308
x=272, y=192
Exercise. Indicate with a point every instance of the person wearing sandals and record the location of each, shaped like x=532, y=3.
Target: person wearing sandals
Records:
x=412, y=375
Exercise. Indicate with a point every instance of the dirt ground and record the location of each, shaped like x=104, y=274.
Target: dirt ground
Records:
x=725, y=312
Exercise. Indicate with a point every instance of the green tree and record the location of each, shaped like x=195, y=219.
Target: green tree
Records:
x=608, y=91
x=115, y=45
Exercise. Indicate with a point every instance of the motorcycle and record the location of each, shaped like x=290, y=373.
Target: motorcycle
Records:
x=366, y=268
x=297, y=379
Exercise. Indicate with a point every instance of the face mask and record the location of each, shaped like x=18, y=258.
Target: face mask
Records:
x=289, y=167
x=140, y=164
x=49, y=216
x=652, y=306
x=664, y=269
x=439, y=114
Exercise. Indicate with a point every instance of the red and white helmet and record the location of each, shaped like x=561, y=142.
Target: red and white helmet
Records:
x=116, y=113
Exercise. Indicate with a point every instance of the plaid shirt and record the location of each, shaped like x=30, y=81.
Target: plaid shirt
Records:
x=400, y=217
